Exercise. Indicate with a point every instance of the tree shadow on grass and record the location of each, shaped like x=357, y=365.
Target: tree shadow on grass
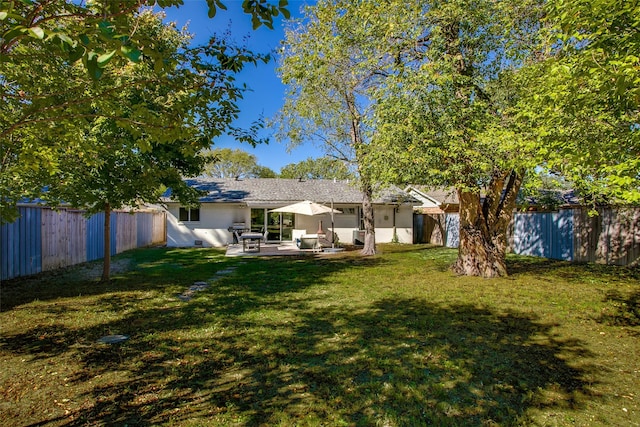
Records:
x=626, y=310
x=146, y=269
x=217, y=360
x=518, y=264
x=409, y=362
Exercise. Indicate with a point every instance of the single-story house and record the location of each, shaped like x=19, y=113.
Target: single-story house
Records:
x=434, y=200
x=246, y=204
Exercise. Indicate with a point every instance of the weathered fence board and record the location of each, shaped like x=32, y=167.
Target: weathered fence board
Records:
x=126, y=233
x=43, y=239
x=429, y=228
x=63, y=238
x=611, y=237
x=543, y=234
x=452, y=230
x=20, y=249
x=95, y=237
x=159, y=232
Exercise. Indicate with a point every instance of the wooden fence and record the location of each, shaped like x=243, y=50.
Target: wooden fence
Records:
x=43, y=239
x=611, y=237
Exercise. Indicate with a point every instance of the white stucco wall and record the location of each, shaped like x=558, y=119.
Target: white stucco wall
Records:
x=384, y=217
x=216, y=218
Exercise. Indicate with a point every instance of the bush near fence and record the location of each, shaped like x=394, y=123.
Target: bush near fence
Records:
x=44, y=239
x=611, y=237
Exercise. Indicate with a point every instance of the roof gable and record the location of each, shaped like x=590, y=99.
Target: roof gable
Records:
x=434, y=196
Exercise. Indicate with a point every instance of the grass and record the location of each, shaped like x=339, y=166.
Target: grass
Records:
x=390, y=340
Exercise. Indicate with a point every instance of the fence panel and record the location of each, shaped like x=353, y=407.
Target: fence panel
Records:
x=611, y=237
x=528, y=234
x=418, y=228
x=20, y=248
x=126, y=233
x=95, y=237
x=63, y=238
x=159, y=233
x=77, y=229
x=429, y=228
x=452, y=230
x=151, y=228
x=543, y=234
x=562, y=235
x=144, y=229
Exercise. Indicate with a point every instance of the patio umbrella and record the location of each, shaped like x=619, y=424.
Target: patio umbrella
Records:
x=307, y=207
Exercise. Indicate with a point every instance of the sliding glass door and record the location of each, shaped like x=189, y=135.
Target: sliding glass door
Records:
x=279, y=226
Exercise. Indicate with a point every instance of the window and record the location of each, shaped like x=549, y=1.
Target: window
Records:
x=189, y=214
x=257, y=220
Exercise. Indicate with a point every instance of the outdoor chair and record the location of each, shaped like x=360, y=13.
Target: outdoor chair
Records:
x=309, y=242
x=327, y=240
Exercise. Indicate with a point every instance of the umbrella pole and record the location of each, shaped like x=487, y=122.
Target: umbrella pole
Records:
x=333, y=236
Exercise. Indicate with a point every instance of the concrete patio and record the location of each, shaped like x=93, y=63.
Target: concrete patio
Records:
x=277, y=249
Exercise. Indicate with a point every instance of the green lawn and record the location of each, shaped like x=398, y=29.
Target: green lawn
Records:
x=391, y=340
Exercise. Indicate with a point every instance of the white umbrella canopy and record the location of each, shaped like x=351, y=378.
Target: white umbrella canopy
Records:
x=306, y=207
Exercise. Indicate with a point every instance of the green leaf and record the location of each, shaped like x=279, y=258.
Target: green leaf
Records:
x=158, y=66
x=66, y=39
x=131, y=53
x=92, y=56
x=3, y=15
x=36, y=33
x=16, y=31
x=104, y=59
x=76, y=53
x=94, y=71
x=85, y=39
x=255, y=22
x=107, y=29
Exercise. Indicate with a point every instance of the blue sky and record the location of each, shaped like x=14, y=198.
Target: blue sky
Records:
x=267, y=92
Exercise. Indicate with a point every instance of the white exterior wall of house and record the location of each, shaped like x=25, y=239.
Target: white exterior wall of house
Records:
x=215, y=218
x=346, y=222
x=212, y=229
x=384, y=217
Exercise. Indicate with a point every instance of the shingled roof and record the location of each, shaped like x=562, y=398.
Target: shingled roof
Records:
x=274, y=191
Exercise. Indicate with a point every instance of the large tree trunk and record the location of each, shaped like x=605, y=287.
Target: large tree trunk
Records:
x=484, y=224
x=368, y=219
x=106, y=265
x=367, y=191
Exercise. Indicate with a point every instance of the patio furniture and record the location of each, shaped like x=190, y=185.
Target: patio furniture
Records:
x=309, y=241
x=251, y=241
x=236, y=230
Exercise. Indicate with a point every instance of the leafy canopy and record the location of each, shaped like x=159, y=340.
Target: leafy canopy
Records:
x=320, y=168
x=132, y=165
x=97, y=31
x=82, y=68
x=235, y=163
x=583, y=101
